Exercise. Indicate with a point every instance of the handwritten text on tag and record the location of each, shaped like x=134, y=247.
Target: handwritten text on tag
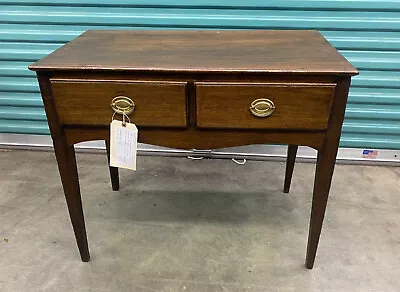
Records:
x=123, y=145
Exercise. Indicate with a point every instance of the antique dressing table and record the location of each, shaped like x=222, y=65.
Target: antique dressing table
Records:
x=202, y=90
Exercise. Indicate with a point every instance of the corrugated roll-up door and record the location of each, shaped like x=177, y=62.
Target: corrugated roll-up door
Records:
x=366, y=32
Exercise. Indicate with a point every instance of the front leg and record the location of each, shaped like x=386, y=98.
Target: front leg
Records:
x=323, y=178
x=65, y=155
x=324, y=170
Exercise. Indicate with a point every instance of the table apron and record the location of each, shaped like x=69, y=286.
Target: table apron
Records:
x=193, y=138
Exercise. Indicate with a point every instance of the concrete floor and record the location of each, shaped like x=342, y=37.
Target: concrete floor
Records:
x=204, y=225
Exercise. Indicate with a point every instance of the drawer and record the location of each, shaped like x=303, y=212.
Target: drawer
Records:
x=160, y=104
x=294, y=106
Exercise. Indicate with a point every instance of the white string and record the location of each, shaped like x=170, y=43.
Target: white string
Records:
x=112, y=118
x=123, y=118
x=195, y=158
x=239, y=162
x=233, y=159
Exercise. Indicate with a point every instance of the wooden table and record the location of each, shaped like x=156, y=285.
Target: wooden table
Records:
x=202, y=90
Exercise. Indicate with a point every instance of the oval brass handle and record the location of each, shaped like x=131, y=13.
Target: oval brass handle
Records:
x=122, y=105
x=262, y=107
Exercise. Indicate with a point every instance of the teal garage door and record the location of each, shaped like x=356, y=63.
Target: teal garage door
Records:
x=366, y=32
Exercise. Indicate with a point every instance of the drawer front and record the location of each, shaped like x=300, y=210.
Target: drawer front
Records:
x=294, y=106
x=160, y=104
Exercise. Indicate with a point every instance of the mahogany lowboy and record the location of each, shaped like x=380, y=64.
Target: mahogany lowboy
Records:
x=199, y=89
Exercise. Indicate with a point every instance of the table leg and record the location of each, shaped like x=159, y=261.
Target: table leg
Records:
x=323, y=177
x=69, y=177
x=291, y=158
x=113, y=170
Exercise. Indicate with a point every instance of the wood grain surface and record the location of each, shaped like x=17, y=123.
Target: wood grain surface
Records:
x=297, y=106
x=202, y=139
x=160, y=104
x=266, y=51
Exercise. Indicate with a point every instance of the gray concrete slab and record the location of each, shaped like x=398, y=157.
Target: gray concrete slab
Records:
x=204, y=225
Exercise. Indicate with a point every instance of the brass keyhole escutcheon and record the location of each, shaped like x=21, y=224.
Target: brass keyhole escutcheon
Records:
x=122, y=105
x=262, y=107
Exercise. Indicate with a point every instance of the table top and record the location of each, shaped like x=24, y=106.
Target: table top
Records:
x=196, y=51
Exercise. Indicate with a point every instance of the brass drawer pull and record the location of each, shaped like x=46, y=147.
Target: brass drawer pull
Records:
x=122, y=105
x=262, y=107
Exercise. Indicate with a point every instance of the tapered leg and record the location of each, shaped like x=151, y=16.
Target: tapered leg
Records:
x=324, y=170
x=69, y=176
x=291, y=158
x=323, y=177
x=113, y=170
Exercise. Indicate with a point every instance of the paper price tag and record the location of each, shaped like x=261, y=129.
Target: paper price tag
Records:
x=123, y=145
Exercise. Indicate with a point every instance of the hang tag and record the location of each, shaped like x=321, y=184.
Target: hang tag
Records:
x=123, y=144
